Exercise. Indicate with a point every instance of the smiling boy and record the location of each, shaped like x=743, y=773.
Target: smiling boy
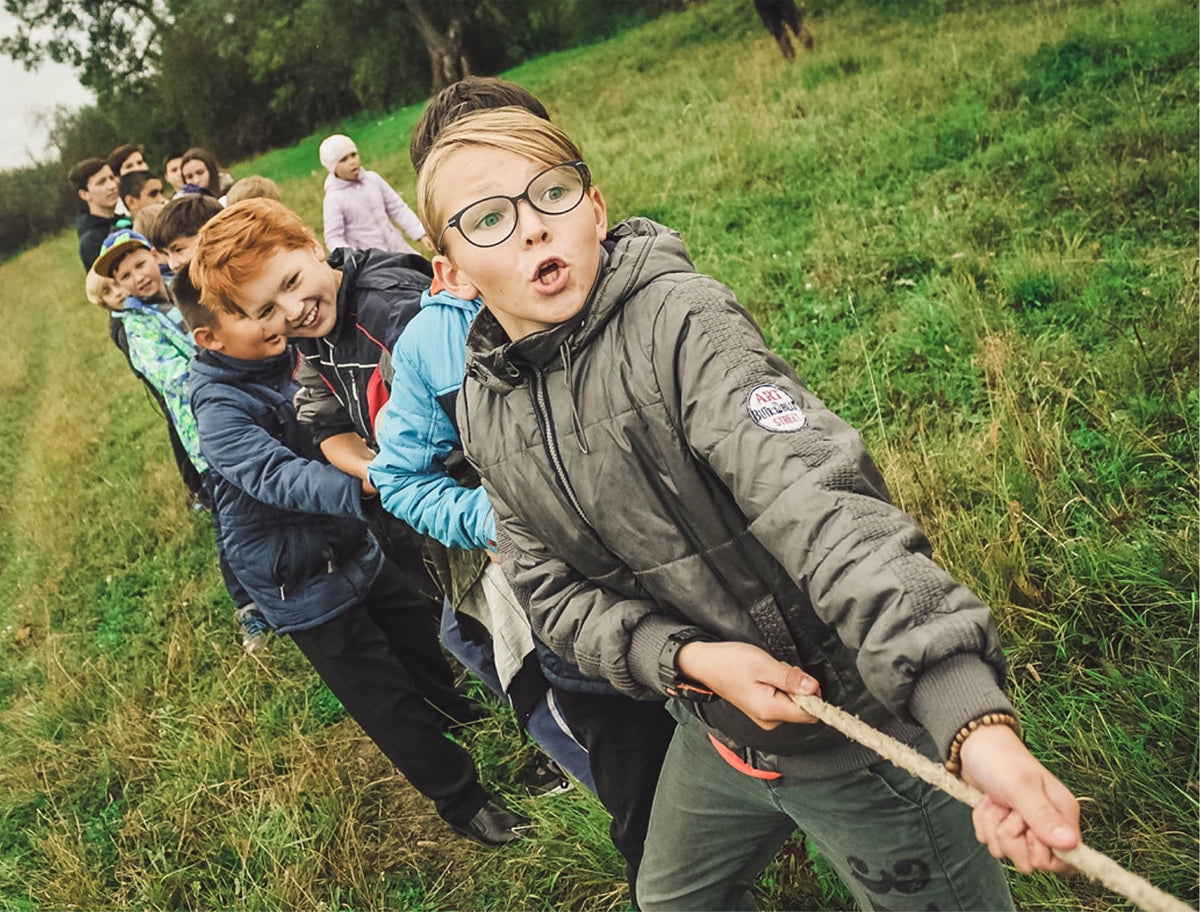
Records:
x=680, y=539
x=296, y=531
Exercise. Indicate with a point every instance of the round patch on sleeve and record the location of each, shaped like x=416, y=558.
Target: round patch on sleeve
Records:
x=774, y=409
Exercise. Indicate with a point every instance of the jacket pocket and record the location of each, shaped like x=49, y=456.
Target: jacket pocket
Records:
x=302, y=555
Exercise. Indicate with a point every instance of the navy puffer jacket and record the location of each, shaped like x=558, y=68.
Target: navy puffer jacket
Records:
x=293, y=527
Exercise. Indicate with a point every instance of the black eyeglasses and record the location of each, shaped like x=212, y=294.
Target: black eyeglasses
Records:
x=491, y=221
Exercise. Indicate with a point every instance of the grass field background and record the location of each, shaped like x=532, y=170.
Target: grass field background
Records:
x=971, y=227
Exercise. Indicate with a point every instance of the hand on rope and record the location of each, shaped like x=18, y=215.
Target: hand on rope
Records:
x=1025, y=813
x=751, y=679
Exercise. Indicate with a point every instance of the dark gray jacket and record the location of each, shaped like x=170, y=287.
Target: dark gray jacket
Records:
x=656, y=470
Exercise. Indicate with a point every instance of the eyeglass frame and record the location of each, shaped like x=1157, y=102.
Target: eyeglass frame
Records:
x=455, y=220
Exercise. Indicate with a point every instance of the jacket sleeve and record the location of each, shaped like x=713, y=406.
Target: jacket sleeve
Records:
x=926, y=646
x=399, y=212
x=415, y=437
x=246, y=455
x=606, y=635
x=167, y=371
x=334, y=219
x=318, y=407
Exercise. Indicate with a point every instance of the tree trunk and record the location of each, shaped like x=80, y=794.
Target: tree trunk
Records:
x=446, y=56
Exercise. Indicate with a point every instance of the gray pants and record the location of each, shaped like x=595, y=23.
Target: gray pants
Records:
x=895, y=841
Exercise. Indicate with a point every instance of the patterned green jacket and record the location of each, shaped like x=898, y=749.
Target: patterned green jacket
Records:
x=162, y=352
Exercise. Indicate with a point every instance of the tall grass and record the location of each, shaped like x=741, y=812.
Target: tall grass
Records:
x=971, y=228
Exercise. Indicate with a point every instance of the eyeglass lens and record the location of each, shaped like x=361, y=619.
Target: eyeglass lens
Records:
x=490, y=221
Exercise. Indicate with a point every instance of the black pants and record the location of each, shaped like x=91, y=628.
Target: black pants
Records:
x=626, y=741
x=382, y=660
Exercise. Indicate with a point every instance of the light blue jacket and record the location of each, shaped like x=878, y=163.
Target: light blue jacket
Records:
x=416, y=435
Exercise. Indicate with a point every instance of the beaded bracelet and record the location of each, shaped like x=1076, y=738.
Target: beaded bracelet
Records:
x=954, y=761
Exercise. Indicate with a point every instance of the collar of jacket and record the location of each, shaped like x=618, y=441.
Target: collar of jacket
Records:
x=634, y=253
x=350, y=262
x=283, y=364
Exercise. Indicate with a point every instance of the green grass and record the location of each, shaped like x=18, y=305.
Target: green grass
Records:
x=972, y=228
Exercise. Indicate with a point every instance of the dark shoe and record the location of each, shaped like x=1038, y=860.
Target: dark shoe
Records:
x=544, y=777
x=493, y=824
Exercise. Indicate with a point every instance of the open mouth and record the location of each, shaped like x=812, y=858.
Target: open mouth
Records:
x=551, y=275
x=308, y=319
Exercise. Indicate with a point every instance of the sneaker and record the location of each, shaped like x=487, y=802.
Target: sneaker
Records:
x=545, y=777
x=254, y=628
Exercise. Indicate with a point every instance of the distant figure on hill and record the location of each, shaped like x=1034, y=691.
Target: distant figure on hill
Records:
x=360, y=206
x=779, y=16
x=96, y=185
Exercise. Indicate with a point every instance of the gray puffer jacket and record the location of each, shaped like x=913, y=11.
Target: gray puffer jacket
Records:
x=657, y=471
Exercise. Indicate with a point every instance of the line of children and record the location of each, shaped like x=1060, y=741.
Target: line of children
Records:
x=686, y=519
x=296, y=530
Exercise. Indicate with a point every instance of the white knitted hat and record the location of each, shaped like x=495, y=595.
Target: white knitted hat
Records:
x=334, y=148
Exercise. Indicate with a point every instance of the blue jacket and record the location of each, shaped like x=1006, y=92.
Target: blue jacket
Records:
x=416, y=433
x=292, y=526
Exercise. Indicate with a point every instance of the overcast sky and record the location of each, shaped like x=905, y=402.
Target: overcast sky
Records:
x=24, y=95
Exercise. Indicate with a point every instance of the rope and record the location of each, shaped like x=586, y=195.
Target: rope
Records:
x=1094, y=864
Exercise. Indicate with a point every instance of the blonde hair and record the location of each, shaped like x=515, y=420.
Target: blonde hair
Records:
x=514, y=130
x=94, y=286
x=143, y=222
x=253, y=187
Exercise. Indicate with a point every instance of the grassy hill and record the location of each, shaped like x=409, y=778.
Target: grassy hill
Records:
x=972, y=230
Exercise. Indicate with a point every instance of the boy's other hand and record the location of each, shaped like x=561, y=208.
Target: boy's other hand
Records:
x=1026, y=811
x=751, y=679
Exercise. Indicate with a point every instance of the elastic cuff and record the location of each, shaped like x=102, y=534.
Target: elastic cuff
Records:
x=951, y=693
x=646, y=646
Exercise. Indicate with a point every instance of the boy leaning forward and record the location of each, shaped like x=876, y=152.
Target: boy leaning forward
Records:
x=685, y=518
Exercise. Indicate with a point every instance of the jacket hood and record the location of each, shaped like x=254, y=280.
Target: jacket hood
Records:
x=444, y=298
x=361, y=270
x=213, y=367
x=635, y=253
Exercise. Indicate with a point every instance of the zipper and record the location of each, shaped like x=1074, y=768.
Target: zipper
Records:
x=545, y=420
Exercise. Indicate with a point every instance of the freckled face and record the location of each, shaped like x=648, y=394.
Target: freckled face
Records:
x=294, y=295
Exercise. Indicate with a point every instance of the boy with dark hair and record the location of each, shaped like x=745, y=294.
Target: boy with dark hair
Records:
x=139, y=190
x=172, y=168
x=686, y=519
x=127, y=159
x=96, y=185
x=174, y=231
x=297, y=536
x=472, y=93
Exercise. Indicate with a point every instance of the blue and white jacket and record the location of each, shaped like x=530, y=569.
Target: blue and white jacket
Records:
x=416, y=431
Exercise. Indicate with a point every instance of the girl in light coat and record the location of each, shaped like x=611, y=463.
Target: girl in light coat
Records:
x=360, y=206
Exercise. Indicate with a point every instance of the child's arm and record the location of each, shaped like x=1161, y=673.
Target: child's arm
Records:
x=166, y=368
x=605, y=634
x=398, y=210
x=334, y=221
x=926, y=646
x=246, y=455
x=415, y=437
x=348, y=452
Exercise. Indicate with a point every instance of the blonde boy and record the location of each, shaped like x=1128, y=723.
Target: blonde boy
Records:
x=687, y=519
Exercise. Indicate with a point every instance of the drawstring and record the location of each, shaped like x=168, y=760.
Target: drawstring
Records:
x=565, y=354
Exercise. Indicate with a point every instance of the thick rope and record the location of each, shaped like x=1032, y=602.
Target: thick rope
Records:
x=1094, y=864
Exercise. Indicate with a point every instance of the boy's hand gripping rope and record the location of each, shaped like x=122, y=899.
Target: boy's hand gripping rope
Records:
x=1095, y=864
